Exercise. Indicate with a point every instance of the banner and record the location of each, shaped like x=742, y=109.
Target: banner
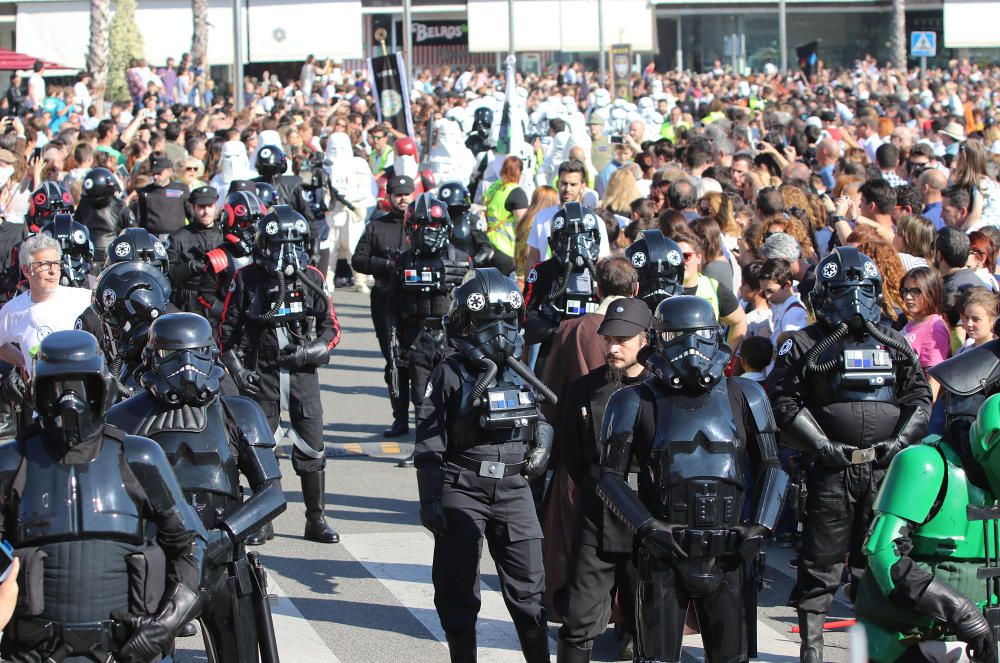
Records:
x=437, y=33
x=387, y=75
x=808, y=57
x=621, y=71
x=511, y=131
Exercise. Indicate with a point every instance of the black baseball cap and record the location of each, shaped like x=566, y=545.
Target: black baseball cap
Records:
x=400, y=184
x=203, y=195
x=625, y=318
x=158, y=164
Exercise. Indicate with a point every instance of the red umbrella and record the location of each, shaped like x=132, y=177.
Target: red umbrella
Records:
x=11, y=60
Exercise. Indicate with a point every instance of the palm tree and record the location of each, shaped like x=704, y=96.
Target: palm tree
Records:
x=199, y=37
x=897, y=38
x=98, y=53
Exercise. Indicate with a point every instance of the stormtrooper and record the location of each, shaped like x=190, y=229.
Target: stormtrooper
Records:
x=351, y=178
x=450, y=159
x=235, y=167
x=102, y=210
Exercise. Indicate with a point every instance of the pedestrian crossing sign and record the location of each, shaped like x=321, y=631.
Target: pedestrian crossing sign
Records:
x=923, y=44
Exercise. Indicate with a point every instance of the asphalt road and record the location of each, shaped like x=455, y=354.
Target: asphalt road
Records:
x=369, y=599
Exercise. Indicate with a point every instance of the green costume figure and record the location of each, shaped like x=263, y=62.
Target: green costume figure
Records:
x=923, y=552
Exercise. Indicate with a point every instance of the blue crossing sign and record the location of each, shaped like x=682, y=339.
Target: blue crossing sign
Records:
x=923, y=44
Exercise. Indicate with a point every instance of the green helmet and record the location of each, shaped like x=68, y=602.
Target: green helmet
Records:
x=984, y=441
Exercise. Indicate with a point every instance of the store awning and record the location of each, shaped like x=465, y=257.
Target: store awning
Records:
x=13, y=61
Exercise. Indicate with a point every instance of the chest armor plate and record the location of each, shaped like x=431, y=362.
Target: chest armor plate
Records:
x=68, y=501
x=507, y=412
x=424, y=291
x=950, y=533
x=864, y=373
x=694, y=475
x=292, y=314
x=580, y=296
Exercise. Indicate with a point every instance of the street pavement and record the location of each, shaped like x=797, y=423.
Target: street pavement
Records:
x=369, y=599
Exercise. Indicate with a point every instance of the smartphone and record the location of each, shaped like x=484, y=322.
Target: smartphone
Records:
x=36, y=154
x=6, y=559
x=617, y=140
x=122, y=173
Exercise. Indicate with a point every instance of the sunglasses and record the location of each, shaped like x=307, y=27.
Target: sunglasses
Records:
x=688, y=256
x=191, y=169
x=906, y=292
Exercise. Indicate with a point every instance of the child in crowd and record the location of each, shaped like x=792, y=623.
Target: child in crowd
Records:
x=788, y=313
x=754, y=302
x=979, y=313
x=756, y=353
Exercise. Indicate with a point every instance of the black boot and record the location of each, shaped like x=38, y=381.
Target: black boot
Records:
x=811, y=632
x=314, y=496
x=406, y=462
x=261, y=536
x=462, y=646
x=399, y=428
x=570, y=653
x=534, y=644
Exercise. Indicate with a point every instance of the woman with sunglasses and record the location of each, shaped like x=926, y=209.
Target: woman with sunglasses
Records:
x=926, y=330
x=721, y=296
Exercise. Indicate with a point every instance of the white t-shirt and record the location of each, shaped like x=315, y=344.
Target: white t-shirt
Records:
x=542, y=228
x=36, y=89
x=26, y=323
x=788, y=316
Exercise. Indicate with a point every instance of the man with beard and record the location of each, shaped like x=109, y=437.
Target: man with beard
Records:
x=601, y=558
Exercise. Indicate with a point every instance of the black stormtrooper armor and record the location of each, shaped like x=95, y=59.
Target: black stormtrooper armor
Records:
x=138, y=245
x=278, y=327
x=77, y=249
x=210, y=441
x=240, y=216
x=849, y=393
x=428, y=271
x=565, y=285
x=468, y=232
x=688, y=429
x=75, y=489
x=660, y=264
x=102, y=210
x=480, y=422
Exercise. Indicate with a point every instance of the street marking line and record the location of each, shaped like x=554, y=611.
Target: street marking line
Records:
x=354, y=447
x=391, y=448
x=297, y=640
x=402, y=562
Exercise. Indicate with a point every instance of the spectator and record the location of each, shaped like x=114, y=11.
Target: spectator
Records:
x=787, y=310
x=979, y=316
x=755, y=355
x=621, y=192
x=623, y=154
x=723, y=299
x=682, y=196
x=956, y=209
x=715, y=265
x=36, y=85
x=970, y=174
x=758, y=312
x=46, y=307
x=543, y=197
x=931, y=184
x=887, y=159
x=914, y=241
x=926, y=330
x=982, y=258
x=951, y=255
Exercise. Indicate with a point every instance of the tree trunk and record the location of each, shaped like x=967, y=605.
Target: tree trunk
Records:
x=898, y=34
x=98, y=55
x=199, y=37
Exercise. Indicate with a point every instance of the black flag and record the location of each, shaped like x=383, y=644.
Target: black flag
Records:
x=390, y=88
x=808, y=57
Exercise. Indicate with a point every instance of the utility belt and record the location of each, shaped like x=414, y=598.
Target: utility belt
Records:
x=211, y=507
x=56, y=641
x=488, y=468
x=711, y=543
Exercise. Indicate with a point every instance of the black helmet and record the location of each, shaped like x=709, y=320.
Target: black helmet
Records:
x=100, y=186
x=240, y=217
x=455, y=196
x=271, y=161
x=486, y=311
x=282, y=237
x=482, y=118
x=138, y=245
x=462, y=225
x=660, y=264
x=77, y=249
x=688, y=348
x=266, y=194
x=848, y=289
x=46, y=200
x=428, y=225
x=71, y=387
x=129, y=296
x=575, y=239
x=181, y=360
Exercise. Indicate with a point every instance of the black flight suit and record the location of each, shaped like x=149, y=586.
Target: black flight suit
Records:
x=499, y=507
x=104, y=223
x=381, y=243
x=209, y=448
x=600, y=563
x=162, y=210
x=194, y=291
x=246, y=329
x=839, y=502
x=78, y=521
x=690, y=447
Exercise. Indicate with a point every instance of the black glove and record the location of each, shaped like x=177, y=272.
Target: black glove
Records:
x=152, y=636
x=455, y=271
x=432, y=517
x=197, y=265
x=972, y=628
x=834, y=455
x=484, y=255
x=430, y=485
x=13, y=390
x=248, y=382
x=661, y=539
x=314, y=353
x=753, y=538
x=219, y=546
x=886, y=450
x=538, y=457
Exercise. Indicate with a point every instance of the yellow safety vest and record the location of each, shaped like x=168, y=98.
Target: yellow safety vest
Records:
x=378, y=160
x=708, y=288
x=500, y=221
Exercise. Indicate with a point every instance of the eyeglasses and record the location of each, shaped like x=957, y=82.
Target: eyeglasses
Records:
x=907, y=292
x=378, y=136
x=340, y=125
x=191, y=169
x=981, y=254
x=771, y=291
x=44, y=265
x=688, y=256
